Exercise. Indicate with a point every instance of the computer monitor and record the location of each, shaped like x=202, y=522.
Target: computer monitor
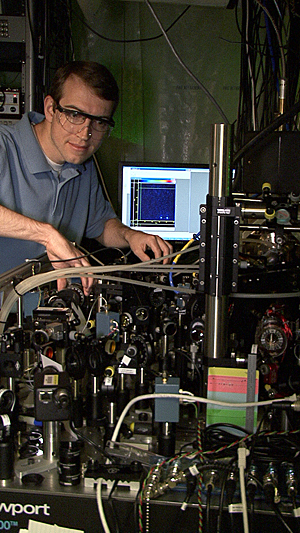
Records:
x=163, y=198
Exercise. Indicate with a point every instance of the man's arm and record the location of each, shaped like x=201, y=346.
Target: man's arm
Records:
x=58, y=248
x=118, y=235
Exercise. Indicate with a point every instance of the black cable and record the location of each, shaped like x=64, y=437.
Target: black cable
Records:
x=253, y=442
x=179, y=517
x=89, y=441
x=136, y=509
x=261, y=46
x=274, y=507
x=208, y=508
x=221, y=505
x=87, y=254
x=251, y=496
x=278, y=513
x=70, y=259
x=266, y=447
x=264, y=133
x=186, y=355
x=223, y=434
x=186, y=445
x=186, y=68
x=111, y=504
x=127, y=41
x=255, y=51
x=20, y=295
x=230, y=484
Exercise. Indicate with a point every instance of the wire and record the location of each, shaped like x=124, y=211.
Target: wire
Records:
x=89, y=441
x=34, y=281
x=280, y=517
x=242, y=454
x=274, y=507
x=127, y=41
x=91, y=254
x=186, y=68
x=187, y=356
x=277, y=35
x=100, y=506
x=200, y=478
x=136, y=509
x=191, y=241
x=111, y=502
x=89, y=316
x=277, y=122
x=208, y=505
x=193, y=399
x=102, y=180
x=221, y=504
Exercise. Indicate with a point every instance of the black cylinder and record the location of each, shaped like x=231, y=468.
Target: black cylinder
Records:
x=7, y=458
x=77, y=411
x=142, y=388
x=69, y=463
x=166, y=439
x=123, y=398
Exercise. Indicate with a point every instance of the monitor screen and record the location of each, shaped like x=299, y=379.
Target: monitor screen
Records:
x=163, y=199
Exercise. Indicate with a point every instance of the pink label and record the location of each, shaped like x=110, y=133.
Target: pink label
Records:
x=233, y=384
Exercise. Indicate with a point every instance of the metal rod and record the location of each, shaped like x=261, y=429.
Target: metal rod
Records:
x=51, y=440
x=215, y=345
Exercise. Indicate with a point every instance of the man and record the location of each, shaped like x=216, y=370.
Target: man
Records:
x=49, y=191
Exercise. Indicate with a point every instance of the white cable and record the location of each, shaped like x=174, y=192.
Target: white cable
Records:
x=191, y=399
x=24, y=286
x=89, y=316
x=89, y=271
x=242, y=454
x=100, y=507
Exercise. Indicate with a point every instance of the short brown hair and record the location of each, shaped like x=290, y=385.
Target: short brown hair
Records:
x=93, y=74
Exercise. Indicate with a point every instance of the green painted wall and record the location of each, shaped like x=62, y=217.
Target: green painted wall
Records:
x=163, y=114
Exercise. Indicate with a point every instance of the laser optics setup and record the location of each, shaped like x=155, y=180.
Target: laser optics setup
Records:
x=170, y=383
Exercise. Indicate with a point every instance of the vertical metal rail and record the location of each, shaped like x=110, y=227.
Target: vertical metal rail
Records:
x=218, y=244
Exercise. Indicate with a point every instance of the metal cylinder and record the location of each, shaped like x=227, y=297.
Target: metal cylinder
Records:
x=215, y=345
x=51, y=438
x=216, y=326
x=219, y=169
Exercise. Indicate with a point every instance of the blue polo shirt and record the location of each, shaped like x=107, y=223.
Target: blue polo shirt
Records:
x=73, y=203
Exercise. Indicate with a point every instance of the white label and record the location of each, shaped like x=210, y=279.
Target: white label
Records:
x=194, y=470
x=51, y=379
x=5, y=420
x=131, y=371
x=126, y=360
x=235, y=508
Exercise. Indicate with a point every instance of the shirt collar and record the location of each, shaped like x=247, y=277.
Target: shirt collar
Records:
x=33, y=154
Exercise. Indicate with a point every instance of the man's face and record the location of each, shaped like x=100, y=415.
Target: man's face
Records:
x=61, y=145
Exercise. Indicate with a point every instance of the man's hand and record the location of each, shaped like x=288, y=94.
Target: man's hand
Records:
x=117, y=235
x=139, y=242
x=59, y=249
x=63, y=254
